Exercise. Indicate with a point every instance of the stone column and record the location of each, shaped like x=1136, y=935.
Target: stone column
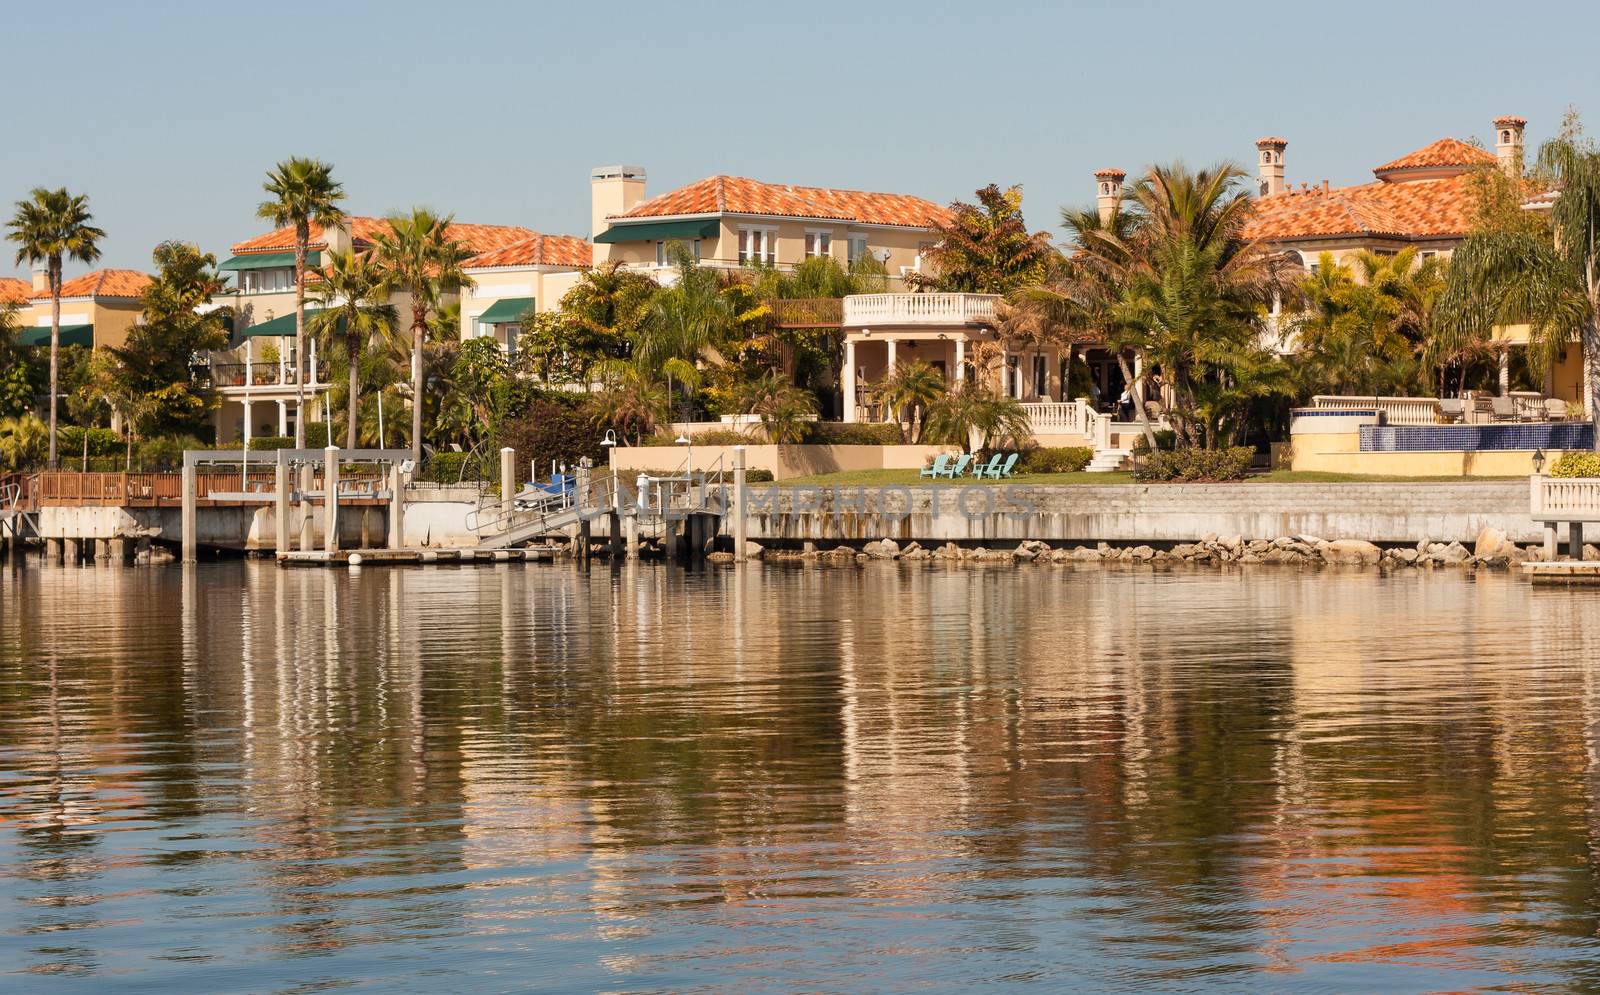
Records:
x=247, y=414
x=102, y=549
x=739, y=524
x=280, y=507
x=397, y=508
x=55, y=549
x=847, y=380
x=308, y=532
x=191, y=511
x=960, y=374
x=888, y=366
x=283, y=412
x=330, y=498
x=1575, y=541
x=1505, y=370
x=73, y=550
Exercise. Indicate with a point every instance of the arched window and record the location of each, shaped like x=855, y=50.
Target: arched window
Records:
x=1105, y=188
x=1505, y=138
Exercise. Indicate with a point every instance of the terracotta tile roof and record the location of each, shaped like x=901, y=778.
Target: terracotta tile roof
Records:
x=1424, y=209
x=1444, y=152
x=100, y=283
x=13, y=290
x=540, y=250
x=479, y=238
x=740, y=195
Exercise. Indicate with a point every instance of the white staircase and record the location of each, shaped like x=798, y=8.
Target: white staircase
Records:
x=1108, y=460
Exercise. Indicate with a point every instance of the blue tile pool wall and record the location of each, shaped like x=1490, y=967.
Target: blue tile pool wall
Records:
x=1475, y=438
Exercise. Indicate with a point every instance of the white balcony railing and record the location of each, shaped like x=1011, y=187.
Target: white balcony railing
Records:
x=919, y=309
x=1565, y=499
x=1070, y=418
x=1396, y=410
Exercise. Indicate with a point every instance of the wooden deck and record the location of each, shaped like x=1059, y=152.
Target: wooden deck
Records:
x=165, y=490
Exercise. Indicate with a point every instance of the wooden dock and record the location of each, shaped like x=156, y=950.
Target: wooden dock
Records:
x=1563, y=572
x=465, y=556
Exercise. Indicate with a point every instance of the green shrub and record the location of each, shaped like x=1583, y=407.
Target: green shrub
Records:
x=316, y=435
x=271, y=442
x=853, y=434
x=1166, y=440
x=1577, y=465
x=102, y=442
x=164, y=452
x=550, y=431
x=750, y=477
x=1055, y=459
x=1195, y=465
x=723, y=437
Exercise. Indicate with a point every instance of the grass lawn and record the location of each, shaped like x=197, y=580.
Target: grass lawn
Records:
x=885, y=478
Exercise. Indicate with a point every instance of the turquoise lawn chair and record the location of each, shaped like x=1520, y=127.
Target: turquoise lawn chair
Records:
x=959, y=467
x=990, y=469
x=1008, y=468
x=941, y=464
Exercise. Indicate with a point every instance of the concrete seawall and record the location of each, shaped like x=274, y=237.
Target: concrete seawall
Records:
x=1377, y=512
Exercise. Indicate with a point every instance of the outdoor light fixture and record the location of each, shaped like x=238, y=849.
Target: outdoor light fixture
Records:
x=1538, y=461
x=611, y=438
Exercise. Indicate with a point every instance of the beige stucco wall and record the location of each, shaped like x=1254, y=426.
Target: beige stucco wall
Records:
x=111, y=317
x=1340, y=452
x=544, y=285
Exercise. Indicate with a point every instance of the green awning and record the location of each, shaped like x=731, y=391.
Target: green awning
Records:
x=269, y=260
x=507, y=309
x=659, y=231
x=70, y=335
x=281, y=326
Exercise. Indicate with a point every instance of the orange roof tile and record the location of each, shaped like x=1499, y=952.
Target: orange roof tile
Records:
x=741, y=195
x=478, y=238
x=540, y=250
x=13, y=290
x=1444, y=152
x=1425, y=209
x=100, y=283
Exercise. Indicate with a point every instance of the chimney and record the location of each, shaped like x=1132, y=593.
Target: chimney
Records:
x=41, y=280
x=1270, y=164
x=1108, y=191
x=612, y=190
x=1508, y=143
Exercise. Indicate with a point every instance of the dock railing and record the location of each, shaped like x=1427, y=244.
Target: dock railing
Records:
x=1574, y=500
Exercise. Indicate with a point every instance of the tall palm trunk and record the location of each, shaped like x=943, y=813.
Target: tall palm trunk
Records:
x=1136, y=389
x=419, y=323
x=352, y=347
x=302, y=235
x=1591, y=343
x=55, y=348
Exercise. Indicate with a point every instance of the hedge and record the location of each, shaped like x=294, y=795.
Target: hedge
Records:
x=1055, y=459
x=853, y=434
x=1195, y=465
x=102, y=442
x=550, y=432
x=1577, y=465
x=271, y=442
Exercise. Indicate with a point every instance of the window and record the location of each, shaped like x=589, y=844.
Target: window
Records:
x=857, y=247
x=266, y=281
x=662, y=259
x=1041, y=377
x=818, y=243
x=758, y=245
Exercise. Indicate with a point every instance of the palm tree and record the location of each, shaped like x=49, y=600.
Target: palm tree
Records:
x=986, y=247
x=419, y=256
x=48, y=225
x=685, y=321
x=354, y=303
x=303, y=193
x=973, y=415
x=907, y=392
x=1549, y=279
x=21, y=438
x=636, y=406
x=784, y=409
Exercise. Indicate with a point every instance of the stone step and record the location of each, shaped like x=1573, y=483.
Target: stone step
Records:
x=1108, y=460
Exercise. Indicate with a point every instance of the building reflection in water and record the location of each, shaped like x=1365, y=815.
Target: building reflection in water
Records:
x=1155, y=776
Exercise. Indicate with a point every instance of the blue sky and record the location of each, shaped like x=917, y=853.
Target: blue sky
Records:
x=168, y=113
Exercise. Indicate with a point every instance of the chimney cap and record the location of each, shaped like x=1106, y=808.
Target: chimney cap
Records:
x=617, y=173
x=1110, y=173
x=1272, y=142
x=1510, y=121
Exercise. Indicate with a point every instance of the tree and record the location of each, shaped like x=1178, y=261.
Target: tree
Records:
x=1367, y=327
x=303, y=193
x=158, y=360
x=356, y=310
x=1547, y=277
x=972, y=414
x=685, y=321
x=986, y=248
x=598, y=320
x=16, y=383
x=636, y=405
x=22, y=439
x=907, y=392
x=420, y=257
x=784, y=409
x=50, y=225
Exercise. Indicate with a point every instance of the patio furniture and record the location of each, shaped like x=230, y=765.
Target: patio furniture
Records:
x=1529, y=405
x=1555, y=409
x=941, y=463
x=1452, y=410
x=1503, y=408
x=991, y=469
x=959, y=467
x=1007, y=467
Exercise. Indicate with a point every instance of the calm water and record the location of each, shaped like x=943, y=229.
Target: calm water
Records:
x=236, y=778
